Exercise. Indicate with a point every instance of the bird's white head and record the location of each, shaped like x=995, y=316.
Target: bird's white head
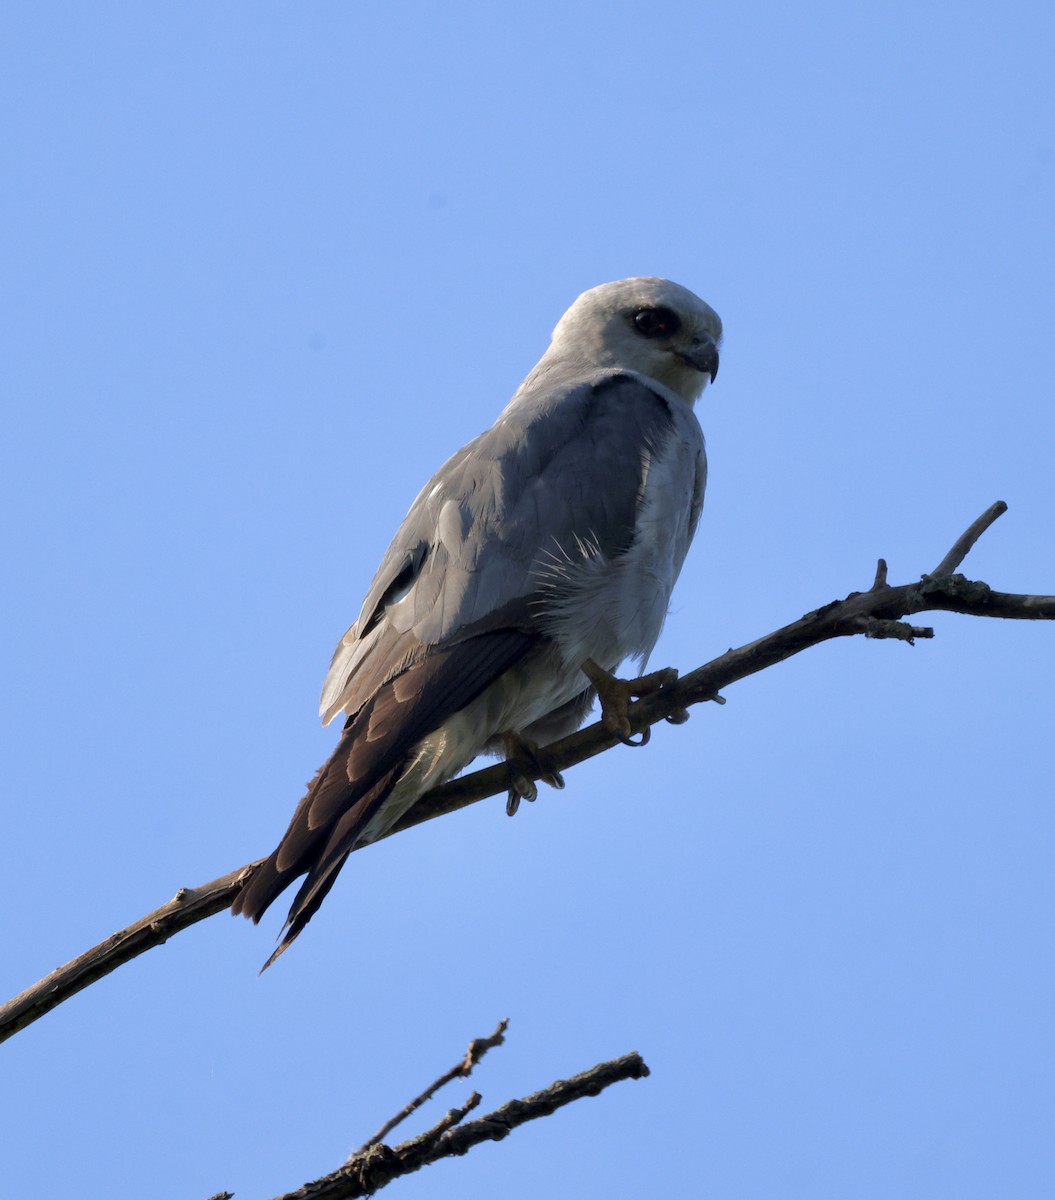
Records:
x=651, y=326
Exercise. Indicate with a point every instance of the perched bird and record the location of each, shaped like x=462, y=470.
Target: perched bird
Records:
x=534, y=561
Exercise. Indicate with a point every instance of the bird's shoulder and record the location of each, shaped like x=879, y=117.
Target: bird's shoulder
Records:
x=557, y=436
x=566, y=459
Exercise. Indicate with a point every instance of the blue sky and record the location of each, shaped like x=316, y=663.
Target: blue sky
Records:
x=267, y=265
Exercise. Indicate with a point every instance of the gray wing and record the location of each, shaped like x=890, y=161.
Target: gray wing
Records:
x=555, y=467
x=456, y=601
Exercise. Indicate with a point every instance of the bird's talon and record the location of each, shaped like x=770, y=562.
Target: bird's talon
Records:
x=522, y=756
x=678, y=717
x=522, y=786
x=643, y=740
x=513, y=799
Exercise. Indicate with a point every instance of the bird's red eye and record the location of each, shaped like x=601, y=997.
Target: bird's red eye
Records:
x=656, y=322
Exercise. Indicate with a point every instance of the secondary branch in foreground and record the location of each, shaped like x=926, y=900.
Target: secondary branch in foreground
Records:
x=878, y=612
x=377, y=1164
x=462, y=1069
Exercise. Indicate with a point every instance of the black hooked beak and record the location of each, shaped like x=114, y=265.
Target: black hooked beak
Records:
x=703, y=356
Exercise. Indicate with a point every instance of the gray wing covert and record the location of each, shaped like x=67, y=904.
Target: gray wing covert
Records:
x=555, y=467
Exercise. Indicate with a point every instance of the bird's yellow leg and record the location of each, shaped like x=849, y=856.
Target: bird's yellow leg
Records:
x=616, y=694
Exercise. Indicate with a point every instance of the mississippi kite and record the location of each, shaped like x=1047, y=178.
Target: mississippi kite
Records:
x=535, y=560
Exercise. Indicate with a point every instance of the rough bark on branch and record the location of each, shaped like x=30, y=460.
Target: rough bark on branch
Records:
x=377, y=1164
x=876, y=613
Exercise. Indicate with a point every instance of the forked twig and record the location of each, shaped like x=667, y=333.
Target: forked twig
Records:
x=478, y=1047
x=377, y=1165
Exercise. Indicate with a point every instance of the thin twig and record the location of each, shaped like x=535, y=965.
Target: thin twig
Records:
x=478, y=1047
x=880, y=579
x=963, y=544
x=452, y=1117
x=842, y=618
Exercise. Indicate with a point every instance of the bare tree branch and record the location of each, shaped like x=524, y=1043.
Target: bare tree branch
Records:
x=877, y=613
x=376, y=1165
x=186, y=908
